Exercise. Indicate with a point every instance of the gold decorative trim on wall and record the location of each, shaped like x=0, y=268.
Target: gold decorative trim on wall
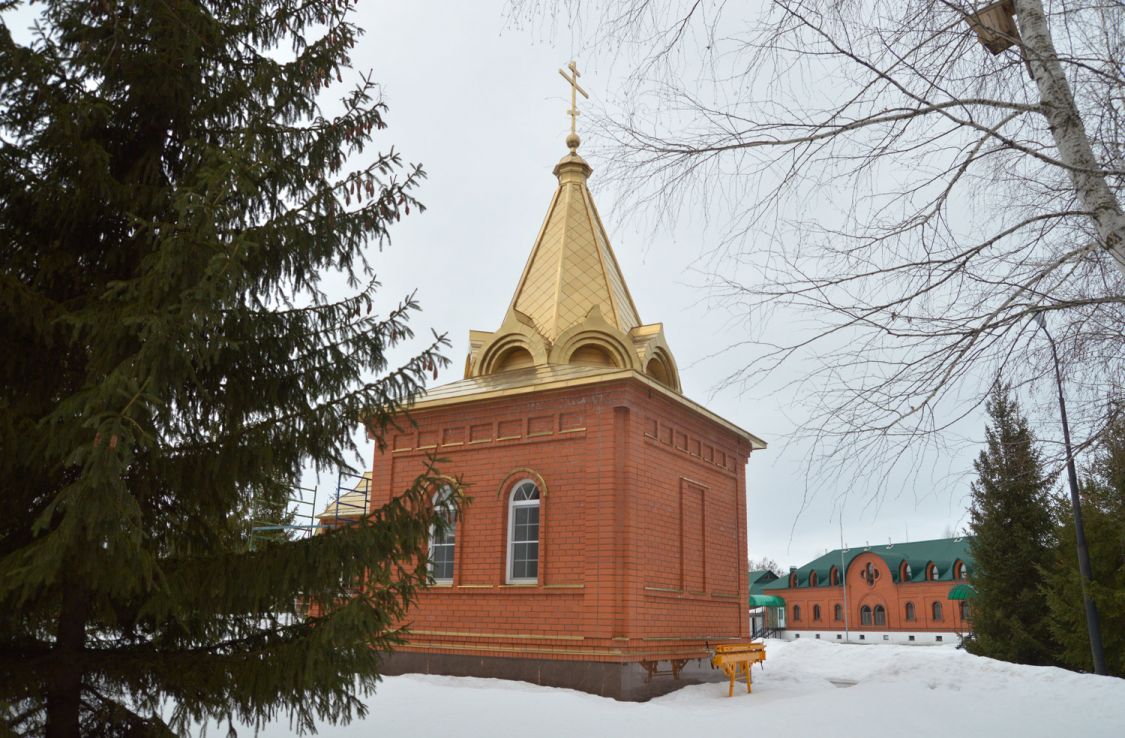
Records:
x=523, y=471
x=467, y=634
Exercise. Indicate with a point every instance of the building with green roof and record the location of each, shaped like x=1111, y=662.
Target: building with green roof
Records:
x=914, y=592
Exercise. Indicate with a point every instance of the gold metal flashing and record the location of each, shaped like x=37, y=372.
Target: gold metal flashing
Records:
x=628, y=656
x=692, y=638
x=513, y=636
x=522, y=648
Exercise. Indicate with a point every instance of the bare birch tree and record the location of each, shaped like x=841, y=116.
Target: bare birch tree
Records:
x=883, y=176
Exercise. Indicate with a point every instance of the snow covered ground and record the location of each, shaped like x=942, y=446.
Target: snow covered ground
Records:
x=899, y=691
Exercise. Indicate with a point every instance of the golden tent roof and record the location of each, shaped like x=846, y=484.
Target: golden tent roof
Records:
x=571, y=305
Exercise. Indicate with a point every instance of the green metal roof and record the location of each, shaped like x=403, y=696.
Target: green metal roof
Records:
x=962, y=592
x=760, y=578
x=759, y=600
x=942, y=552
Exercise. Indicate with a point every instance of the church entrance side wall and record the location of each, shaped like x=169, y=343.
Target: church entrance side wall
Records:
x=642, y=539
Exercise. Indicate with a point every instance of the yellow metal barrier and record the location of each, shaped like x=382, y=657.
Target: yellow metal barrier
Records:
x=738, y=657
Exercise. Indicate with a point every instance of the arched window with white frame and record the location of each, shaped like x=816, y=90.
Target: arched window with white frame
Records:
x=523, y=533
x=443, y=541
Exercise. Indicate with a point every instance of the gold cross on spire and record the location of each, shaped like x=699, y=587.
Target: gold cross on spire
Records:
x=572, y=140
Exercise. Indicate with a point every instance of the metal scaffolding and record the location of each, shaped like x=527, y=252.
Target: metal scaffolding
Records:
x=350, y=502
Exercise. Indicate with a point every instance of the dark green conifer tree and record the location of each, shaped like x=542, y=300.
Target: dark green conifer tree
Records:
x=1012, y=539
x=1103, y=517
x=171, y=197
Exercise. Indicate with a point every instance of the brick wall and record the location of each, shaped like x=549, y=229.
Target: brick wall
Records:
x=642, y=525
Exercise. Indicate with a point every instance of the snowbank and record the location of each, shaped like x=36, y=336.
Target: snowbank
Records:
x=808, y=688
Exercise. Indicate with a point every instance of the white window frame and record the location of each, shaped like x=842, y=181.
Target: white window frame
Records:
x=512, y=505
x=441, y=498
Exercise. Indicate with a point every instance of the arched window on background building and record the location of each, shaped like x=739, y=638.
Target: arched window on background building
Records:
x=865, y=615
x=965, y=612
x=937, y=611
x=838, y=612
x=910, y=611
x=442, y=543
x=523, y=534
x=816, y=612
x=880, y=615
x=796, y=613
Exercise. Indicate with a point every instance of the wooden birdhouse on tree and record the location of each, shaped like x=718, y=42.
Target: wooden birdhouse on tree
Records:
x=995, y=25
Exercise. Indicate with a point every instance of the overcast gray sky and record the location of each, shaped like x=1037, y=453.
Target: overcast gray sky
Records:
x=480, y=104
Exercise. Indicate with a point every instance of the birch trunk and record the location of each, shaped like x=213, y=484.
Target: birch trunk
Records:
x=1066, y=127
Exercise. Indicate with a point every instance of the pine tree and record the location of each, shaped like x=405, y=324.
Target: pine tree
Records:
x=1012, y=539
x=1103, y=516
x=172, y=197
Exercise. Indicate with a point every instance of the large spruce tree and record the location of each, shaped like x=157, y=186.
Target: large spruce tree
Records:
x=171, y=196
x=1012, y=538
x=1103, y=517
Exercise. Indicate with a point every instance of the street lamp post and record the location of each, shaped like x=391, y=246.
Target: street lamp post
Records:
x=843, y=579
x=1093, y=625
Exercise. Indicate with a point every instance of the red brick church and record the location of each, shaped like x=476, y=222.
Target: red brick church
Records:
x=605, y=546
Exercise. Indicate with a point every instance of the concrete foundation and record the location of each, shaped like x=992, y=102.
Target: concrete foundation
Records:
x=628, y=682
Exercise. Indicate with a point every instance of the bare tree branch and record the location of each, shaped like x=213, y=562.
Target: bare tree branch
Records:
x=902, y=196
